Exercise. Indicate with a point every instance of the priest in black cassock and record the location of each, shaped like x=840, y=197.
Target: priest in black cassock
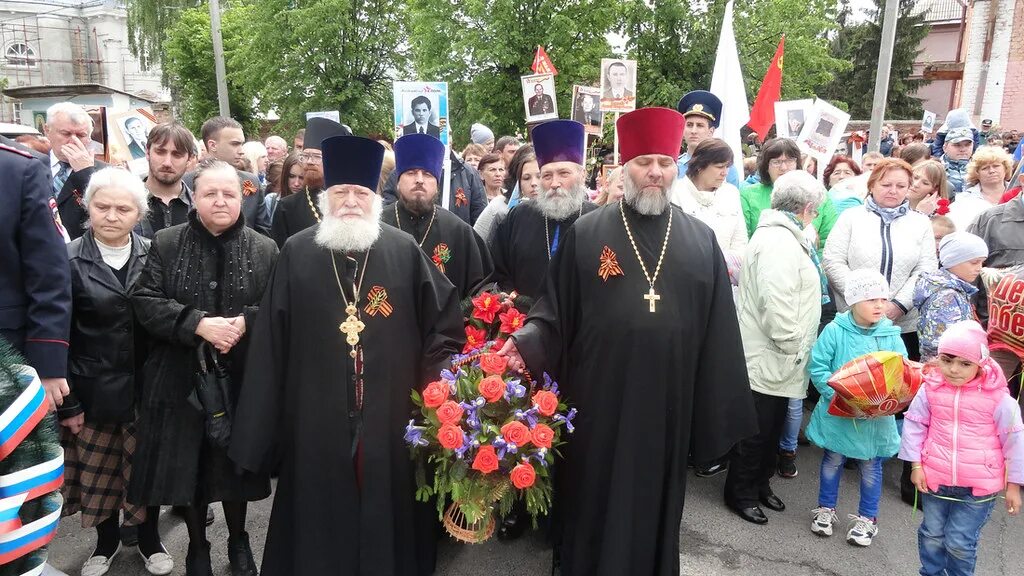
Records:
x=449, y=242
x=637, y=323
x=296, y=212
x=355, y=317
x=531, y=234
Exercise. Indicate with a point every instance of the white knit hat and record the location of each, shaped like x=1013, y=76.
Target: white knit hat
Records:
x=480, y=134
x=865, y=284
x=959, y=247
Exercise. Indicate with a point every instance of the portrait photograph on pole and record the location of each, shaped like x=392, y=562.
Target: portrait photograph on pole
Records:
x=539, y=97
x=421, y=108
x=586, y=108
x=618, y=85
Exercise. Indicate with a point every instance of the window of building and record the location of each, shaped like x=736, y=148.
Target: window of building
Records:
x=20, y=55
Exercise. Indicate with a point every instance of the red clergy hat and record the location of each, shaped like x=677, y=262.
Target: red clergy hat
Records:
x=650, y=131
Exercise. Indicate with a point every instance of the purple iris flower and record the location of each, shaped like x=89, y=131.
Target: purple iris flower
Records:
x=550, y=384
x=568, y=420
x=539, y=456
x=466, y=445
x=530, y=416
x=514, y=389
x=471, y=408
x=502, y=447
x=414, y=435
x=448, y=376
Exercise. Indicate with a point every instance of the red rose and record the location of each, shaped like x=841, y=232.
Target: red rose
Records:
x=546, y=402
x=450, y=437
x=486, y=460
x=542, y=435
x=485, y=307
x=511, y=320
x=493, y=365
x=435, y=394
x=475, y=338
x=516, y=433
x=449, y=413
x=492, y=388
x=523, y=476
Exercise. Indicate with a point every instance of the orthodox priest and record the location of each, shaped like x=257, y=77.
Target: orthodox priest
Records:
x=296, y=212
x=533, y=231
x=446, y=239
x=637, y=271
x=355, y=317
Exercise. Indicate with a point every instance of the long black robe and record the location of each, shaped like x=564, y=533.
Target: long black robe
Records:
x=294, y=214
x=469, y=261
x=299, y=400
x=520, y=250
x=647, y=386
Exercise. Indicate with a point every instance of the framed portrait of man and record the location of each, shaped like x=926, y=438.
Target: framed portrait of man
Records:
x=539, y=97
x=127, y=133
x=790, y=117
x=618, y=85
x=586, y=108
x=823, y=130
x=421, y=108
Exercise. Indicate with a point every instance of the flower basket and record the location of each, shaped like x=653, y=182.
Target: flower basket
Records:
x=488, y=436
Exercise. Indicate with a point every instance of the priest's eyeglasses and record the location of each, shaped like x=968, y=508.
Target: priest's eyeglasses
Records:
x=311, y=158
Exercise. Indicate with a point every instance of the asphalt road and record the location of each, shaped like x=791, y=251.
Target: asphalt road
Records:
x=713, y=540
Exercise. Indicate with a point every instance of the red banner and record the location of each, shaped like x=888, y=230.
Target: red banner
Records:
x=762, y=115
x=542, y=63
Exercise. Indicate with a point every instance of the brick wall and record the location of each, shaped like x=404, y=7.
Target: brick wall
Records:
x=1012, y=114
x=994, y=72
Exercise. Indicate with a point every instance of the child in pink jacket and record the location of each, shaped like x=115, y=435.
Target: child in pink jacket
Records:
x=964, y=438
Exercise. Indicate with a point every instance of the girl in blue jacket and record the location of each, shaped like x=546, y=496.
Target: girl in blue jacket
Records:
x=859, y=331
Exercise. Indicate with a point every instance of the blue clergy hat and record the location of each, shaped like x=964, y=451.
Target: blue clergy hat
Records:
x=419, y=151
x=319, y=129
x=558, y=141
x=701, y=103
x=352, y=160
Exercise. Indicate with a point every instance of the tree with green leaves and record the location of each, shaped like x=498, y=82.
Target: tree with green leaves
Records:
x=312, y=55
x=188, y=64
x=482, y=47
x=148, y=22
x=860, y=44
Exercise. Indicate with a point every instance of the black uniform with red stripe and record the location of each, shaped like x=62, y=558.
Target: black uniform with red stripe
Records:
x=35, y=285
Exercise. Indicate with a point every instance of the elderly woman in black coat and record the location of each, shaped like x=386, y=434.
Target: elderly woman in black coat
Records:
x=198, y=293
x=104, y=368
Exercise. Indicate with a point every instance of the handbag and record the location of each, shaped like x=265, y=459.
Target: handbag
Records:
x=210, y=396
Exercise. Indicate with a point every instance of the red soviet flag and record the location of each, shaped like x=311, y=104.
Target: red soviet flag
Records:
x=542, y=64
x=762, y=115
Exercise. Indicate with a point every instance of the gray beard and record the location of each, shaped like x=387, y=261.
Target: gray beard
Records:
x=562, y=206
x=646, y=203
x=339, y=235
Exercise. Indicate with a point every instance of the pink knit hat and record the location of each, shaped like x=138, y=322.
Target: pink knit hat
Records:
x=965, y=340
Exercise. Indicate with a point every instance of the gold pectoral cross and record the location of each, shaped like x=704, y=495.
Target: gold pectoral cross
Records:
x=351, y=328
x=652, y=298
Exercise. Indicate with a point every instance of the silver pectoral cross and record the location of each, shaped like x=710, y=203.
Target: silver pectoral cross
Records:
x=652, y=298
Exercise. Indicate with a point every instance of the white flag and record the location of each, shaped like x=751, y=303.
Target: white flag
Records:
x=727, y=84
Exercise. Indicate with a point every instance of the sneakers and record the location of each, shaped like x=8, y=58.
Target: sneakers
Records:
x=707, y=470
x=824, y=518
x=863, y=530
x=787, y=464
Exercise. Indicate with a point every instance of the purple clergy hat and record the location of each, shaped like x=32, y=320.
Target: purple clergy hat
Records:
x=558, y=141
x=419, y=151
x=352, y=160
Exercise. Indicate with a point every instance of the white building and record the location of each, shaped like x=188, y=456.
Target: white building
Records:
x=61, y=44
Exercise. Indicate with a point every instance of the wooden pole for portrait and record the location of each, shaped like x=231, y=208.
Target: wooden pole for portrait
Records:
x=615, y=155
x=446, y=169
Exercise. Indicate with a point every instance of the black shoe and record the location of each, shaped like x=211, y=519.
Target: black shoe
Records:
x=197, y=562
x=512, y=526
x=773, y=502
x=753, y=515
x=129, y=536
x=240, y=556
x=787, y=464
x=712, y=469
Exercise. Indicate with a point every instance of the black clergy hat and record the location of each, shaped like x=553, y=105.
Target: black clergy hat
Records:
x=559, y=141
x=320, y=129
x=419, y=151
x=701, y=103
x=352, y=160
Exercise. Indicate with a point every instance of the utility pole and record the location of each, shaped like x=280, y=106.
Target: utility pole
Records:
x=882, y=76
x=218, y=58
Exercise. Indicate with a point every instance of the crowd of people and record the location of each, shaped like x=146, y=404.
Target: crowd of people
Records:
x=241, y=312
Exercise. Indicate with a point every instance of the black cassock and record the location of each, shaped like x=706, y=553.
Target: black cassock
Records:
x=451, y=244
x=299, y=401
x=648, y=386
x=520, y=250
x=295, y=213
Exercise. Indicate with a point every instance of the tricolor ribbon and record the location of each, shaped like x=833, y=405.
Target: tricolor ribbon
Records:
x=28, y=538
x=18, y=421
x=34, y=481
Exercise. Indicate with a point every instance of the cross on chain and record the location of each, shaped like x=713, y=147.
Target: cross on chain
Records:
x=652, y=298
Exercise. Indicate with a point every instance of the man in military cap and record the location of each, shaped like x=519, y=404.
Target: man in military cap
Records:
x=702, y=111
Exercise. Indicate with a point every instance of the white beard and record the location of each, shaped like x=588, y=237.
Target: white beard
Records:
x=568, y=202
x=353, y=235
x=646, y=203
